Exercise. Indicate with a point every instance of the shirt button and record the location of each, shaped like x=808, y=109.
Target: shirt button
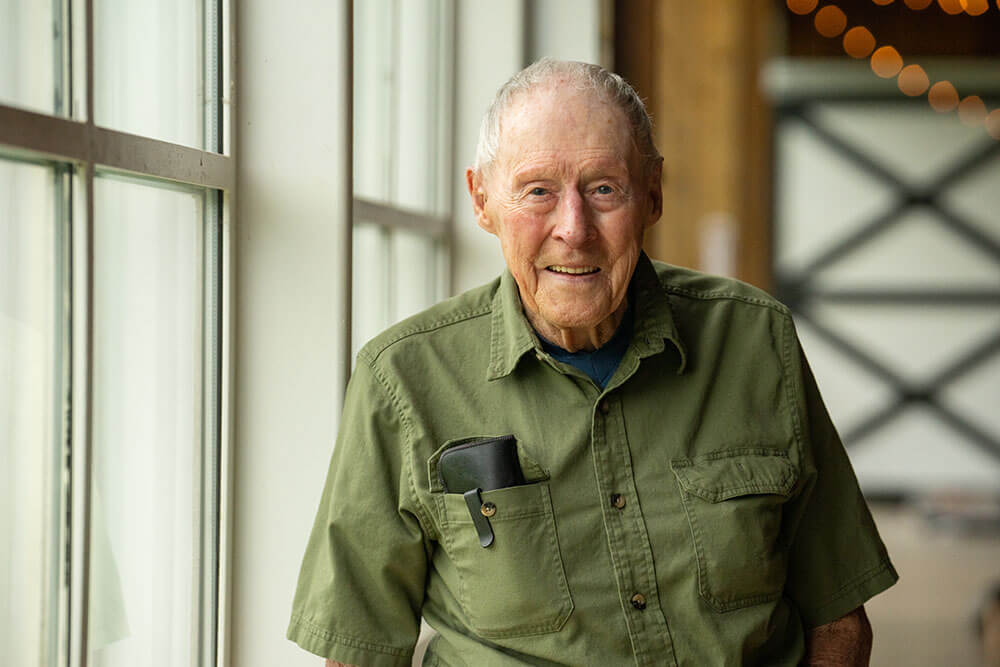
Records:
x=617, y=501
x=605, y=408
x=639, y=601
x=488, y=509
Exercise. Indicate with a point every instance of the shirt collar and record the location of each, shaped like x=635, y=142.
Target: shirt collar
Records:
x=511, y=335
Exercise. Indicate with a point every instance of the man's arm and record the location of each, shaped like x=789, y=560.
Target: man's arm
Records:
x=334, y=663
x=846, y=642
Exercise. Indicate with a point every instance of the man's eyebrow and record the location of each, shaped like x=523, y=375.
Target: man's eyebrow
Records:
x=605, y=165
x=533, y=173
x=541, y=172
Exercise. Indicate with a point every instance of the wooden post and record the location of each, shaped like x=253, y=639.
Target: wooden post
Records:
x=697, y=66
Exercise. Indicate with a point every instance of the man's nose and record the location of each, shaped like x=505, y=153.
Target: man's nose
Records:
x=573, y=224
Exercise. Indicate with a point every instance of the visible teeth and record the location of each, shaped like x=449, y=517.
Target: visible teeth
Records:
x=573, y=270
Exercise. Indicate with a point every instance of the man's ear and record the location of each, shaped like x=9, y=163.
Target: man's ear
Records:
x=655, y=189
x=477, y=190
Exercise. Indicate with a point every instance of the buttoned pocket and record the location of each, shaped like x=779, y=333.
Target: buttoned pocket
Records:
x=516, y=586
x=734, y=501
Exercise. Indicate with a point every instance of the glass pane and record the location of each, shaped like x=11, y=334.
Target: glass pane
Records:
x=415, y=260
x=149, y=68
x=370, y=284
x=399, y=100
x=395, y=275
x=418, y=152
x=30, y=415
x=29, y=55
x=822, y=197
x=374, y=28
x=899, y=258
x=147, y=545
x=917, y=144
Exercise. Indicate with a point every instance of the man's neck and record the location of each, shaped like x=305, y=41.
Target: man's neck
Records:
x=582, y=338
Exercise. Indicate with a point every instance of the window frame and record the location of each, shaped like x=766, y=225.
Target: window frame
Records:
x=73, y=145
x=437, y=223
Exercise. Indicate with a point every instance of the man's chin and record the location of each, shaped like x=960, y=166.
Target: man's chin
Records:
x=579, y=320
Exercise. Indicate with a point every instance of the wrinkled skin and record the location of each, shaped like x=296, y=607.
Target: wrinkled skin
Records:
x=568, y=190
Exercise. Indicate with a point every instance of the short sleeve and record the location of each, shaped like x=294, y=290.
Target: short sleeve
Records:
x=837, y=560
x=361, y=585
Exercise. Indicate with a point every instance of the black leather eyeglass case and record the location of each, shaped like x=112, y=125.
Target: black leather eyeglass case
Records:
x=487, y=464
x=481, y=465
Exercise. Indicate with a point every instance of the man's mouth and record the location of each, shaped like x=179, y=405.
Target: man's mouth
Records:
x=573, y=270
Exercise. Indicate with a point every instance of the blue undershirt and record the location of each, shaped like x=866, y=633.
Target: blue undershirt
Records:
x=599, y=364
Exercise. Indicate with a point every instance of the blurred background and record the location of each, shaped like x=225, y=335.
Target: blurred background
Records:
x=207, y=207
x=835, y=154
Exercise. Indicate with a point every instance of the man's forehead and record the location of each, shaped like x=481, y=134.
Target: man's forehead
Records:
x=563, y=98
x=550, y=124
x=542, y=163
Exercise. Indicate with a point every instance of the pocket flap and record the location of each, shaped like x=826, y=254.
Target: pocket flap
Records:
x=727, y=474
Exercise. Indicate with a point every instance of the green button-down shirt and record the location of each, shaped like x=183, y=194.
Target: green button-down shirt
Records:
x=700, y=510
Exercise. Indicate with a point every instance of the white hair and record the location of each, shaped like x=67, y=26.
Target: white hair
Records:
x=611, y=86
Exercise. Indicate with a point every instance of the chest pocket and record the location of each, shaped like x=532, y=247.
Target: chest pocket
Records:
x=734, y=501
x=517, y=586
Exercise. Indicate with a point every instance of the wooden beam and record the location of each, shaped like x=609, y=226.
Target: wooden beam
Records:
x=697, y=65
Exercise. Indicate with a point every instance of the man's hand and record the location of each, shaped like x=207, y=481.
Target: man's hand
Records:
x=334, y=663
x=846, y=642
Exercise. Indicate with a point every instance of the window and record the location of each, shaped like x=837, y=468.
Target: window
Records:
x=115, y=190
x=403, y=54
x=888, y=252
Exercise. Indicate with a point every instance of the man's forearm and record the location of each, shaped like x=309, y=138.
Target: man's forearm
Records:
x=846, y=642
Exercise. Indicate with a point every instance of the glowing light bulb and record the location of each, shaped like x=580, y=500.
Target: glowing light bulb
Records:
x=975, y=7
x=886, y=62
x=859, y=42
x=993, y=124
x=972, y=111
x=943, y=96
x=802, y=7
x=951, y=6
x=830, y=21
x=913, y=80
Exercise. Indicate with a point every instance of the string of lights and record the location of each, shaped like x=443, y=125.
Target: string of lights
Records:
x=886, y=62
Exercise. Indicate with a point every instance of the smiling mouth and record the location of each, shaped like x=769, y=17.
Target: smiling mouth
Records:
x=573, y=270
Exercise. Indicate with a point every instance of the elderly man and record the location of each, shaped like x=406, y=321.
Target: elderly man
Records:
x=595, y=459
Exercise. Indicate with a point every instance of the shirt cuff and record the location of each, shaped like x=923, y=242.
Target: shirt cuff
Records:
x=349, y=650
x=853, y=594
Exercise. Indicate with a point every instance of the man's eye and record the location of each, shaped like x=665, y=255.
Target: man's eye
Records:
x=539, y=192
x=605, y=190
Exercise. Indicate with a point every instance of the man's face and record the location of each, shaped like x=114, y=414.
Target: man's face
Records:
x=569, y=199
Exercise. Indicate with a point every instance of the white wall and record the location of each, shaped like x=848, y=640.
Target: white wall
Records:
x=294, y=198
